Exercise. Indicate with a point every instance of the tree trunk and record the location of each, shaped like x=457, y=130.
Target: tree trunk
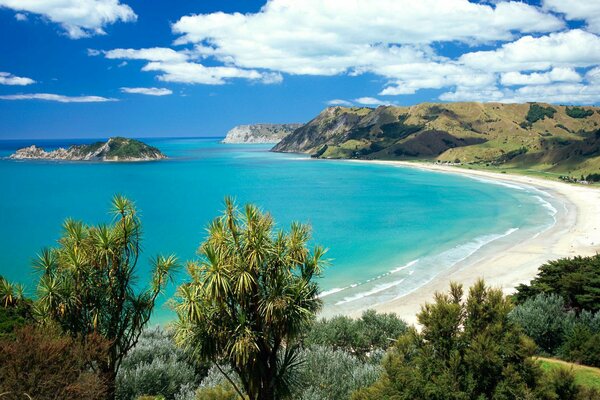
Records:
x=110, y=378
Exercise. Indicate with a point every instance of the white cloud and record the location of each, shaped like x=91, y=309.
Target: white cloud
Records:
x=150, y=91
x=397, y=40
x=372, y=101
x=339, y=102
x=179, y=67
x=21, y=17
x=79, y=18
x=586, y=10
x=574, y=48
x=10, y=79
x=161, y=54
x=315, y=37
x=536, y=78
x=56, y=97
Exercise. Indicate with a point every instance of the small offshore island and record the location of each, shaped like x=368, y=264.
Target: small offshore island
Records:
x=115, y=149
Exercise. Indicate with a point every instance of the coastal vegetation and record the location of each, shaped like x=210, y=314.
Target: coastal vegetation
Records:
x=88, y=285
x=246, y=326
x=535, y=138
x=250, y=297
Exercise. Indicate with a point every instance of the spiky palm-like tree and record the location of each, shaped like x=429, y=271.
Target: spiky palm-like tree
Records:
x=88, y=283
x=249, y=298
x=11, y=294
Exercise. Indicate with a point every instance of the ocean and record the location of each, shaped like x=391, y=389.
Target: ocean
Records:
x=389, y=229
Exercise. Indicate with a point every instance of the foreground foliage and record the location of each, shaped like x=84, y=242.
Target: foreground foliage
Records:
x=559, y=331
x=87, y=284
x=370, y=332
x=576, y=280
x=466, y=350
x=41, y=364
x=156, y=367
x=249, y=299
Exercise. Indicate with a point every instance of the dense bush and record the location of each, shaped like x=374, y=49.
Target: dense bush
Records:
x=155, y=366
x=558, y=331
x=39, y=363
x=357, y=336
x=578, y=112
x=545, y=320
x=537, y=112
x=466, y=350
x=576, y=280
x=581, y=345
x=328, y=374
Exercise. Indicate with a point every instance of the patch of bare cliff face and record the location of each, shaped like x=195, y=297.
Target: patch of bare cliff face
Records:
x=327, y=127
x=114, y=149
x=260, y=133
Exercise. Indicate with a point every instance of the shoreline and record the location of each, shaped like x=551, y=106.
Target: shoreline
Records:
x=575, y=232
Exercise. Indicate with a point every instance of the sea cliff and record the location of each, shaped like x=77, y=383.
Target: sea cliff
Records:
x=260, y=133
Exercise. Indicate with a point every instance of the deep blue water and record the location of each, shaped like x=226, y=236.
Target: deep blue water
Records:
x=374, y=219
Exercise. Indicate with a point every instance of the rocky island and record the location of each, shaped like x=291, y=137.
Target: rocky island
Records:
x=114, y=149
x=260, y=133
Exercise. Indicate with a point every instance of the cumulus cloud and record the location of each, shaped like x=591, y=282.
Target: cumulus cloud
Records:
x=159, y=54
x=574, y=48
x=585, y=10
x=21, y=17
x=314, y=37
x=536, y=78
x=79, y=18
x=149, y=91
x=180, y=67
x=56, y=97
x=10, y=79
x=528, y=48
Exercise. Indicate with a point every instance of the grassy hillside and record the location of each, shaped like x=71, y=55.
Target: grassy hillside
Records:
x=585, y=376
x=539, y=137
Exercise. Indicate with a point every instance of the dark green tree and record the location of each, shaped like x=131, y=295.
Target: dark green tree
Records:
x=465, y=350
x=576, y=280
x=250, y=297
x=88, y=284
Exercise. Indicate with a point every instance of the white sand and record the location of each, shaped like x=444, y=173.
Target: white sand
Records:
x=576, y=232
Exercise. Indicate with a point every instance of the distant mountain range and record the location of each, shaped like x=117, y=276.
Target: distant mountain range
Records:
x=534, y=135
x=259, y=133
x=114, y=149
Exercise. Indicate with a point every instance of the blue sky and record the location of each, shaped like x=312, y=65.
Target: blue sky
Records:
x=99, y=68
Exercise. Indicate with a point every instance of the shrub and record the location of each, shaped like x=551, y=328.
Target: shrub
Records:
x=537, y=112
x=581, y=345
x=466, y=350
x=42, y=365
x=544, y=319
x=576, y=280
x=578, y=112
x=328, y=374
x=155, y=367
x=357, y=336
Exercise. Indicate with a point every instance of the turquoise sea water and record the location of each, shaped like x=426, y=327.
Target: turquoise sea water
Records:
x=389, y=230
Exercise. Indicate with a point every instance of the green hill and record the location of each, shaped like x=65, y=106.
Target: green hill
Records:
x=542, y=137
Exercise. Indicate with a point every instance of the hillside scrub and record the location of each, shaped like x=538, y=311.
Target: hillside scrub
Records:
x=578, y=112
x=576, y=280
x=467, y=349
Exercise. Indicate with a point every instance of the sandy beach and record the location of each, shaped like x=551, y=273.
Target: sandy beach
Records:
x=576, y=232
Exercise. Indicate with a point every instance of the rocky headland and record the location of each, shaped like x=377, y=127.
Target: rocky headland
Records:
x=260, y=133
